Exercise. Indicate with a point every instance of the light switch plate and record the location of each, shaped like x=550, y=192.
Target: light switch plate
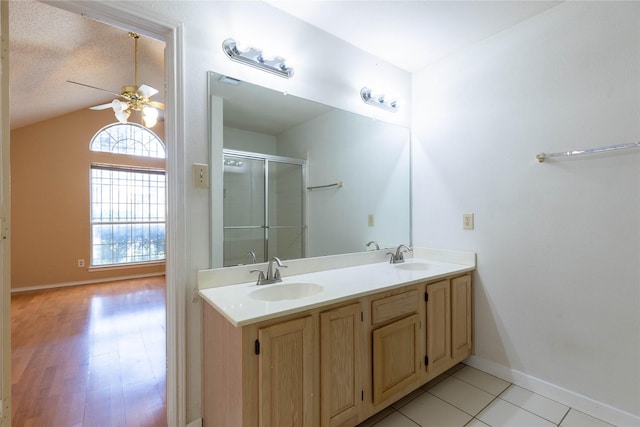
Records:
x=467, y=221
x=200, y=175
x=372, y=220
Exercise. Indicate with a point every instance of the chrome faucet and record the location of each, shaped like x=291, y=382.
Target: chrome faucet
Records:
x=399, y=255
x=272, y=275
x=373, y=242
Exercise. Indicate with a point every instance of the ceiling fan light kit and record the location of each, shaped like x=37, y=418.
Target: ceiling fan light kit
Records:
x=132, y=97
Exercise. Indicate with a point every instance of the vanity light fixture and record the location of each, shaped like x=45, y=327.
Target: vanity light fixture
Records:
x=231, y=162
x=379, y=100
x=255, y=58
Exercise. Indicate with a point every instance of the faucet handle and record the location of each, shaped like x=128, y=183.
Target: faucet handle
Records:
x=392, y=257
x=277, y=275
x=261, y=278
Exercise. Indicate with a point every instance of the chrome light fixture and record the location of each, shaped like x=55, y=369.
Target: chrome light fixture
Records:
x=256, y=58
x=233, y=162
x=378, y=100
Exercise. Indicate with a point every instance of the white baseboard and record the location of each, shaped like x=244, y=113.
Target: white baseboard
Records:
x=84, y=282
x=195, y=423
x=575, y=400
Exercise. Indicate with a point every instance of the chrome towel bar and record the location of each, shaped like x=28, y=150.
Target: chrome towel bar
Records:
x=337, y=184
x=542, y=156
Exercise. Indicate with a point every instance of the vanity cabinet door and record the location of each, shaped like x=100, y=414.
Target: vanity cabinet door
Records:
x=396, y=358
x=438, y=328
x=285, y=367
x=341, y=335
x=461, y=317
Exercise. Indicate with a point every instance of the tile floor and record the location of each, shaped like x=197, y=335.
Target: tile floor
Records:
x=465, y=396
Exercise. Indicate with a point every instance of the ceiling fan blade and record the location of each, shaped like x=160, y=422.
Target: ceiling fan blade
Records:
x=156, y=104
x=147, y=91
x=93, y=87
x=101, y=107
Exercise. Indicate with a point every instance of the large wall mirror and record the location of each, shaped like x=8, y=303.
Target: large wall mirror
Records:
x=301, y=179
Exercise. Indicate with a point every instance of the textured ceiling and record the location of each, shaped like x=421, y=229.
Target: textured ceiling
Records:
x=48, y=46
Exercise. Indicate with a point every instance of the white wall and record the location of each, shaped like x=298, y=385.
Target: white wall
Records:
x=244, y=140
x=206, y=25
x=371, y=158
x=557, y=289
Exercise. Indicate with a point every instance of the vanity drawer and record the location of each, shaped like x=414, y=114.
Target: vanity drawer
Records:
x=394, y=306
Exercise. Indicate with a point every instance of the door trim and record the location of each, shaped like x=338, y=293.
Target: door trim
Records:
x=5, y=224
x=132, y=17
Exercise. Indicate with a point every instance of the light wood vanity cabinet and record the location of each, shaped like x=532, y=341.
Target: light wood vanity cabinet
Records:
x=448, y=324
x=336, y=365
x=285, y=386
x=438, y=327
x=341, y=354
x=396, y=345
x=461, y=318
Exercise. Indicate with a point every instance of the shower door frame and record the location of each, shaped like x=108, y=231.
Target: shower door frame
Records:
x=277, y=159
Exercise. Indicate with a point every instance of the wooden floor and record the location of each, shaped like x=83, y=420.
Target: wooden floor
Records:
x=90, y=355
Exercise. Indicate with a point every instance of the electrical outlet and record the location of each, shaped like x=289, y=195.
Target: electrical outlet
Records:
x=200, y=175
x=372, y=220
x=80, y=263
x=467, y=221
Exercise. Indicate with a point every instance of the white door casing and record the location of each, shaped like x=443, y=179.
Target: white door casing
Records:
x=5, y=219
x=127, y=16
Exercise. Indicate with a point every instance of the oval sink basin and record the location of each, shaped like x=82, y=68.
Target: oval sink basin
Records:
x=413, y=266
x=286, y=291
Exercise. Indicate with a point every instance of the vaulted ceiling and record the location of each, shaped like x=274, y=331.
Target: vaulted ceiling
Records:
x=48, y=46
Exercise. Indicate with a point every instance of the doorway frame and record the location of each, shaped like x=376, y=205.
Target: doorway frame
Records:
x=5, y=223
x=131, y=17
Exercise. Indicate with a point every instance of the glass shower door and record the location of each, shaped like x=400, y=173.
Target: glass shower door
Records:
x=244, y=210
x=285, y=231
x=263, y=208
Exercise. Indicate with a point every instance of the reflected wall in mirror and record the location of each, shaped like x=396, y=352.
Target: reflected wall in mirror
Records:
x=266, y=215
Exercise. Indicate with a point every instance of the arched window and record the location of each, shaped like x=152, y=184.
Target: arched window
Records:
x=127, y=203
x=128, y=138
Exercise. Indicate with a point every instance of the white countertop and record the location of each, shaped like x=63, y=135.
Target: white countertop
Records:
x=237, y=303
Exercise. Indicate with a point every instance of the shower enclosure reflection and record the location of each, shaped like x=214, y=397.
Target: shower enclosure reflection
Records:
x=263, y=207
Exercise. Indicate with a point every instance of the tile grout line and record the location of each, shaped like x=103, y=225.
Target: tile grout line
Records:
x=462, y=410
x=533, y=413
x=495, y=396
x=419, y=425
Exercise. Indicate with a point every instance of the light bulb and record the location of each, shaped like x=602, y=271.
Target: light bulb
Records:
x=122, y=116
x=119, y=106
x=149, y=116
x=268, y=55
x=149, y=122
x=242, y=46
x=150, y=112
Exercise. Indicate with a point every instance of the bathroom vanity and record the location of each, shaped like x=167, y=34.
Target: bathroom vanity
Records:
x=332, y=347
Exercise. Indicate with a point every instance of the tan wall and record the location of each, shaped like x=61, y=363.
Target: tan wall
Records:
x=50, y=167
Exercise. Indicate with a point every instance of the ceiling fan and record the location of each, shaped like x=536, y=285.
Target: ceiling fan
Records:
x=132, y=98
